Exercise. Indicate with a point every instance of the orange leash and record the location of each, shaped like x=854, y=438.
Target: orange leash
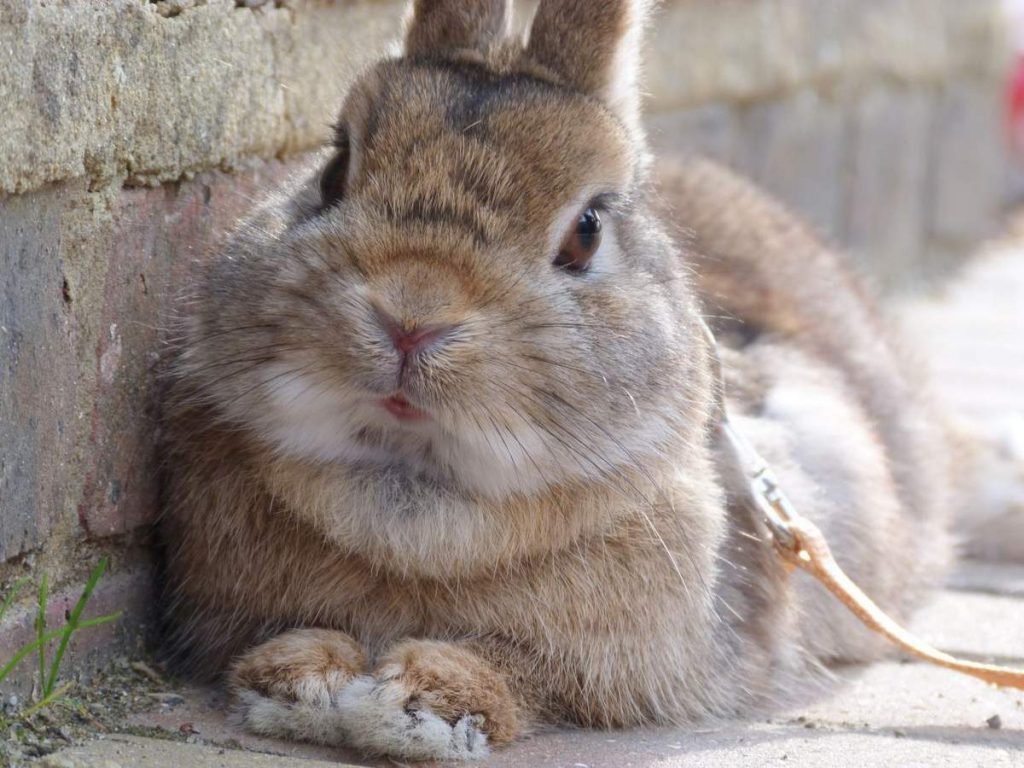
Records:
x=811, y=553
x=801, y=544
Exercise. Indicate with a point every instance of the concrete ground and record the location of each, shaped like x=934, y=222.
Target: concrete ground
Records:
x=893, y=713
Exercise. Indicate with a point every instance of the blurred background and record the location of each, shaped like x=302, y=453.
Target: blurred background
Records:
x=134, y=133
x=883, y=121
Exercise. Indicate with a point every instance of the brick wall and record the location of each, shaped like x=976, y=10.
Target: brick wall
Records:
x=880, y=120
x=133, y=133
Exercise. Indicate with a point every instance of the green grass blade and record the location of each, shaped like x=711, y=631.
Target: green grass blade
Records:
x=9, y=600
x=50, y=698
x=95, y=622
x=44, y=593
x=26, y=649
x=48, y=691
x=72, y=624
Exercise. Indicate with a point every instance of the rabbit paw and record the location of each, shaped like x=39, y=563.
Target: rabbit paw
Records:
x=425, y=701
x=380, y=717
x=286, y=686
x=429, y=700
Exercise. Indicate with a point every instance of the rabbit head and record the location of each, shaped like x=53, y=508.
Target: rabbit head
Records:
x=471, y=285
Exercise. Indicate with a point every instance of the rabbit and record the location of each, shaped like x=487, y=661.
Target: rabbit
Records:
x=440, y=424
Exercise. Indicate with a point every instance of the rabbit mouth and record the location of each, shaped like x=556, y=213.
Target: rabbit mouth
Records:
x=403, y=410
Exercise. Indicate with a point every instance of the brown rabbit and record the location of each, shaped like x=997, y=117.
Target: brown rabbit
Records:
x=440, y=426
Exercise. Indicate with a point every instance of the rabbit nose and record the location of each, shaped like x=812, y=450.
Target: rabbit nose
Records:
x=417, y=339
x=411, y=340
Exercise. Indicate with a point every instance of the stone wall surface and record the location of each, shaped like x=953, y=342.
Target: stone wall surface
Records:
x=134, y=133
x=118, y=91
x=881, y=120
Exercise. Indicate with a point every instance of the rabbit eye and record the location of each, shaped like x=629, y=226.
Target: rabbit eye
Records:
x=335, y=173
x=581, y=244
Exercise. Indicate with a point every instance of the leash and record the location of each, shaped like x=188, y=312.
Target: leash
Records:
x=801, y=544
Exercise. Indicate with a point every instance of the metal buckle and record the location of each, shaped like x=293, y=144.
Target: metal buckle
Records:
x=765, y=492
x=767, y=496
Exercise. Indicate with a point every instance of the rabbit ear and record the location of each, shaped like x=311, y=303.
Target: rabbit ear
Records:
x=433, y=26
x=594, y=45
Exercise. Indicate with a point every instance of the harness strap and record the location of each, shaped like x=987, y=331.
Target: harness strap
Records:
x=811, y=553
x=801, y=544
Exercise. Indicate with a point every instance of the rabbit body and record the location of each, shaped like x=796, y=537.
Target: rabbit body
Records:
x=425, y=548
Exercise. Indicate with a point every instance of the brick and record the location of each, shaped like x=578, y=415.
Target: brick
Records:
x=704, y=52
x=900, y=40
x=712, y=131
x=128, y=590
x=886, y=182
x=795, y=148
x=738, y=50
x=157, y=237
x=90, y=278
x=978, y=39
x=969, y=162
x=116, y=89
x=36, y=400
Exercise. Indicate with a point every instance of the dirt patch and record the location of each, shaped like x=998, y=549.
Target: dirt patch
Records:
x=103, y=705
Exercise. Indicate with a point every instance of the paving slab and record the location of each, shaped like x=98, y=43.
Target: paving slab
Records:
x=202, y=712
x=904, y=699
x=140, y=752
x=970, y=333
x=756, y=746
x=989, y=578
x=972, y=624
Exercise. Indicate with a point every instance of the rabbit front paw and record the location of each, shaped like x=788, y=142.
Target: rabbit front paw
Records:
x=426, y=701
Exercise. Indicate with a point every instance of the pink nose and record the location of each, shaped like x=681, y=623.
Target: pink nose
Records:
x=418, y=338
x=408, y=341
